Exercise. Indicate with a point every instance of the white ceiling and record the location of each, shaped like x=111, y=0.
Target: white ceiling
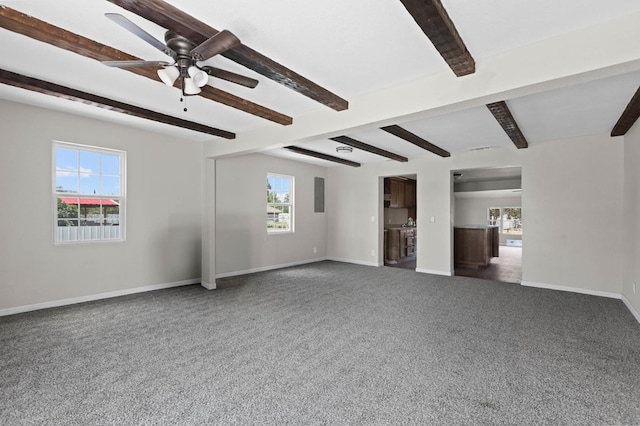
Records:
x=352, y=48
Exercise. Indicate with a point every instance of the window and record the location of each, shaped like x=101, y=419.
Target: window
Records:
x=88, y=193
x=279, y=203
x=508, y=219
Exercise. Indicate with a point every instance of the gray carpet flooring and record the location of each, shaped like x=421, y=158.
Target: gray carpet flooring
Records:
x=326, y=343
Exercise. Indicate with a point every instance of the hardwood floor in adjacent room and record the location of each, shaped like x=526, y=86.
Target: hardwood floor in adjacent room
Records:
x=506, y=268
x=406, y=263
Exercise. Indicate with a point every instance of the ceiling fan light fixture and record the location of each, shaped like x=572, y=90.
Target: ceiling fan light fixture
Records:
x=168, y=75
x=200, y=78
x=190, y=87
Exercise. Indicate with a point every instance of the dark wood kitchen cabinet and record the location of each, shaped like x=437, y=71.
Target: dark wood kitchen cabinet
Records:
x=397, y=193
x=400, y=243
x=475, y=245
x=400, y=193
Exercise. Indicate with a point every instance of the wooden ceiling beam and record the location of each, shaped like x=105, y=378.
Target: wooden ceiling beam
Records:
x=174, y=19
x=435, y=22
x=52, y=89
x=322, y=156
x=36, y=29
x=369, y=148
x=629, y=116
x=501, y=112
x=415, y=139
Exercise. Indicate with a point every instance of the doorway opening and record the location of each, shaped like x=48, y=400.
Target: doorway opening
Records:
x=488, y=223
x=400, y=221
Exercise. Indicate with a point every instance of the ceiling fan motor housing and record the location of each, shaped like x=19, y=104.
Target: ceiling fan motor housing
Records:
x=182, y=47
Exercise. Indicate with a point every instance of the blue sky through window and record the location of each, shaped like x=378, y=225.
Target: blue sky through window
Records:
x=87, y=172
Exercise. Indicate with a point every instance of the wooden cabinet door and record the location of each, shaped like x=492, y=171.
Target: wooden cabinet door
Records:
x=394, y=193
x=401, y=194
x=403, y=243
x=393, y=244
x=410, y=194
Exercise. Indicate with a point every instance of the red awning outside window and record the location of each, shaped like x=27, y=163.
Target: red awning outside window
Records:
x=88, y=202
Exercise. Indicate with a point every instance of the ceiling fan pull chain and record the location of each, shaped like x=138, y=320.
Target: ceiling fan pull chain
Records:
x=183, y=98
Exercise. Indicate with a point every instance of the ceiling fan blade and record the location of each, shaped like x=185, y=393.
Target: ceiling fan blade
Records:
x=215, y=45
x=36, y=29
x=131, y=64
x=136, y=30
x=231, y=76
x=174, y=19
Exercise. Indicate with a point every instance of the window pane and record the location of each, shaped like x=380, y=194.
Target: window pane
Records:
x=276, y=183
x=110, y=185
x=111, y=213
x=91, y=215
x=110, y=164
x=67, y=208
x=279, y=203
x=66, y=181
x=494, y=216
x=89, y=162
x=89, y=184
x=512, y=220
x=66, y=159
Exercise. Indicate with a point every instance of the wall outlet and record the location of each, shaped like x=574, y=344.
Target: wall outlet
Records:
x=433, y=219
x=373, y=218
x=315, y=249
x=373, y=252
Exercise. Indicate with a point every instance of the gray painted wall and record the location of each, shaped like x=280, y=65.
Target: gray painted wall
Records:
x=166, y=196
x=579, y=178
x=163, y=210
x=242, y=242
x=631, y=228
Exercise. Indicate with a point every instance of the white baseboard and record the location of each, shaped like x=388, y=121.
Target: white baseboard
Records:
x=268, y=268
x=434, y=272
x=92, y=297
x=629, y=306
x=208, y=286
x=356, y=262
x=572, y=289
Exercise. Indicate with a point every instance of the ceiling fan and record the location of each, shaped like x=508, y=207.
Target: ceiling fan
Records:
x=186, y=56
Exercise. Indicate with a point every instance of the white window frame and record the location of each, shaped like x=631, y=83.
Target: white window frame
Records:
x=120, y=199
x=290, y=205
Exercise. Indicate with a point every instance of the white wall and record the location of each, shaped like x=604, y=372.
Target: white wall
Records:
x=632, y=217
x=579, y=178
x=242, y=242
x=572, y=196
x=163, y=211
x=473, y=210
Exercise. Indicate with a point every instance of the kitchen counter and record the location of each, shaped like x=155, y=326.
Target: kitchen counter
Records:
x=400, y=243
x=475, y=245
x=400, y=226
